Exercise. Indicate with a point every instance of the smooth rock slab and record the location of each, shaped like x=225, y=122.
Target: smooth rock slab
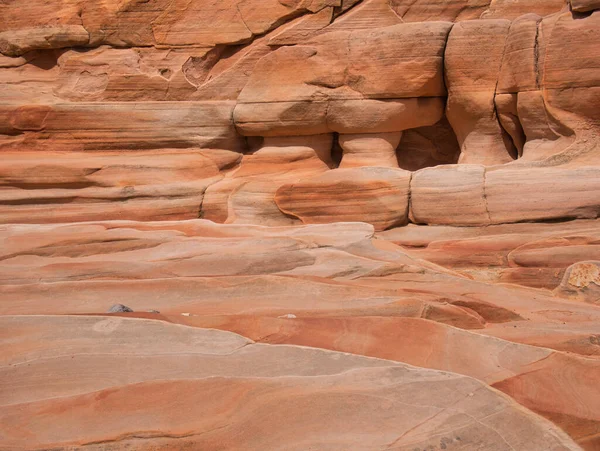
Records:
x=368, y=194
x=535, y=194
x=232, y=393
x=475, y=195
x=449, y=195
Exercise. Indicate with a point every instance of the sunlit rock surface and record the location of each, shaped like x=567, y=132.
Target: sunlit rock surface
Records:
x=299, y=200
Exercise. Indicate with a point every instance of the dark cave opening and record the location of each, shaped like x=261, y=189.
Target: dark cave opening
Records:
x=429, y=146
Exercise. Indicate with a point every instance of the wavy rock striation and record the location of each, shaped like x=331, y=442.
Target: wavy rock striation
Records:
x=395, y=182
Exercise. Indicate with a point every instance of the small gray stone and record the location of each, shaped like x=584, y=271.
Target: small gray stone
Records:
x=152, y=311
x=119, y=308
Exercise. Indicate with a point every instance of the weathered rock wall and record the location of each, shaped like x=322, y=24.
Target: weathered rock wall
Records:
x=295, y=90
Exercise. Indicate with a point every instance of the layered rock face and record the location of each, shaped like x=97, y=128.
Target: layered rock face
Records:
x=510, y=88
x=394, y=182
x=162, y=377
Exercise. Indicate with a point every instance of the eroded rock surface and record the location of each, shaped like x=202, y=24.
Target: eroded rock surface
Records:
x=511, y=86
x=317, y=398
x=416, y=181
x=333, y=286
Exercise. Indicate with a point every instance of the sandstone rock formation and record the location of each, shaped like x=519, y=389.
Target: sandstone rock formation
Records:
x=206, y=381
x=331, y=286
x=315, y=195
x=376, y=82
